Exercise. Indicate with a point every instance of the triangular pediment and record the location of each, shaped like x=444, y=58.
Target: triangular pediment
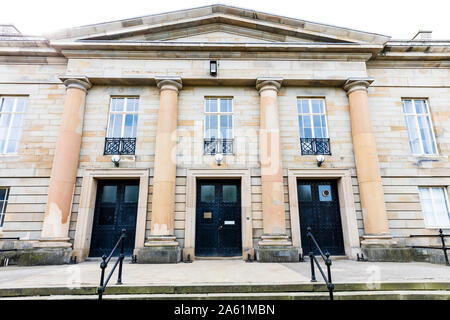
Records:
x=217, y=23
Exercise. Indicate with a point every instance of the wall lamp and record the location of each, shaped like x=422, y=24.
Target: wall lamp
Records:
x=219, y=158
x=320, y=159
x=115, y=159
x=213, y=67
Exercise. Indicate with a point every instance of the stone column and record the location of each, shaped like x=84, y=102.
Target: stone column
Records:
x=371, y=193
x=161, y=246
x=54, y=246
x=275, y=245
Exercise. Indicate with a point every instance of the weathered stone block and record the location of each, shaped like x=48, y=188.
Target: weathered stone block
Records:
x=277, y=254
x=38, y=257
x=159, y=255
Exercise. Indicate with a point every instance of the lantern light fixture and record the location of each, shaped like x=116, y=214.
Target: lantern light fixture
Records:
x=213, y=67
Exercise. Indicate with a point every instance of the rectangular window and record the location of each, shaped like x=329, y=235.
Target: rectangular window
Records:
x=122, y=126
x=313, y=128
x=420, y=129
x=12, y=111
x=4, y=193
x=435, y=208
x=123, y=117
x=218, y=125
x=312, y=118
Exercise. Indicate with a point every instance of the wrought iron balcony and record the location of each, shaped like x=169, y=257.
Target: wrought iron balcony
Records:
x=120, y=146
x=213, y=146
x=312, y=146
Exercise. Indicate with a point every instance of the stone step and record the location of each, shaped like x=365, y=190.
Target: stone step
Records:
x=353, y=295
x=207, y=289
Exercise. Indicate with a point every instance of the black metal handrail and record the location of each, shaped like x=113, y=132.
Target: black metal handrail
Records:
x=104, y=264
x=440, y=235
x=120, y=146
x=313, y=146
x=326, y=259
x=213, y=146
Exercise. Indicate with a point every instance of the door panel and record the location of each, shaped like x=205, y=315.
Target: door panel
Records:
x=319, y=209
x=218, y=218
x=115, y=209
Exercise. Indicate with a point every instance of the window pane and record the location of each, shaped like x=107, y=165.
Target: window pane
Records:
x=426, y=134
x=128, y=130
x=117, y=129
x=300, y=125
x=407, y=106
x=5, y=120
x=305, y=106
x=109, y=194
x=229, y=193
x=226, y=126
x=226, y=105
x=132, y=104
x=420, y=106
x=2, y=194
x=435, y=208
x=211, y=105
x=207, y=194
x=131, y=194
x=441, y=207
x=211, y=127
x=414, y=141
x=117, y=104
x=316, y=106
x=305, y=193
x=8, y=104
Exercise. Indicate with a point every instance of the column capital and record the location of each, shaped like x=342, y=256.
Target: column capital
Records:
x=81, y=83
x=268, y=83
x=353, y=84
x=169, y=83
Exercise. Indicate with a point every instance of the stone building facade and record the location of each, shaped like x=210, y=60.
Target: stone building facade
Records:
x=220, y=131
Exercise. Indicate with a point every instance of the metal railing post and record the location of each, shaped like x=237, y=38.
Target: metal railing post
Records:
x=444, y=248
x=311, y=256
x=102, y=277
x=330, y=284
x=121, y=256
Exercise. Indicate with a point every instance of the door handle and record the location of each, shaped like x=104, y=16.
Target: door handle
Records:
x=220, y=227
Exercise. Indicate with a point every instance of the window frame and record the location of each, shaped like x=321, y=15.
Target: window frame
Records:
x=218, y=113
x=312, y=114
x=13, y=113
x=4, y=204
x=446, y=198
x=428, y=114
x=122, y=113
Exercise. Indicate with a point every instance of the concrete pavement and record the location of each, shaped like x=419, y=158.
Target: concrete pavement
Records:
x=220, y=272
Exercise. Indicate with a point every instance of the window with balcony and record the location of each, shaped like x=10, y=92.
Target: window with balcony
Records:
x=435, y=208
x=420, y=129
x=218, y=126
x=12, y=111
x=122, y=126
x=4, y=193
x=312, y=123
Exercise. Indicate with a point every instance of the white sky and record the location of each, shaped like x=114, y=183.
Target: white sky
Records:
x=400, y=19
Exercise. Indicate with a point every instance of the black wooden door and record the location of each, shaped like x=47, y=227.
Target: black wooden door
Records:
x=319, y=209
x=115, y=209
x=218, y=218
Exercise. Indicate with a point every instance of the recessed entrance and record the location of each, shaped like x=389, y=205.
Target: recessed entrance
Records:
x=115, y=209
x=218, y=218
x=318, y=202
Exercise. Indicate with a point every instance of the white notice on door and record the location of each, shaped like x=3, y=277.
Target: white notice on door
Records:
x=229, y=222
